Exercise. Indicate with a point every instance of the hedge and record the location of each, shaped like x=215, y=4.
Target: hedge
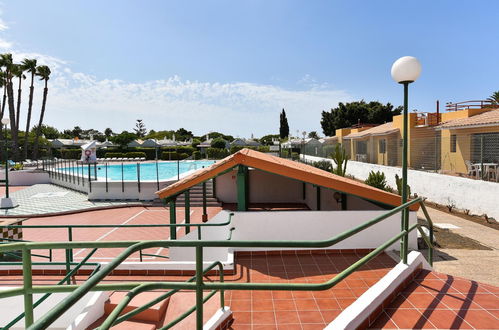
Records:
x=216, y=153
x=197, y=155
x=150, y=153
x=114, y=155
x=235, y=149
x=171, y=155
x=70, y=153
x=135, y=154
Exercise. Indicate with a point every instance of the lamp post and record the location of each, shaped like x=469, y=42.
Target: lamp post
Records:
x=404, y=71
x=6, y=202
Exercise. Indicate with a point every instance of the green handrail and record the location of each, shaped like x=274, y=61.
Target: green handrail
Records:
x=77, y=291
x=113, y=319
x=45, y=296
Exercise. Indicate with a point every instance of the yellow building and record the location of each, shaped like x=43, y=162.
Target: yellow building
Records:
x=448, y=142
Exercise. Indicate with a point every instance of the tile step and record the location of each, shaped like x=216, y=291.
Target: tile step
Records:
x=152, y=314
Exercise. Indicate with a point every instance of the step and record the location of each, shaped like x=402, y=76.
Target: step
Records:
x=153, y=314
x=126, y=325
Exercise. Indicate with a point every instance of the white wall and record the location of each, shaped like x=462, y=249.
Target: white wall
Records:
x=297, y=225
x=480, y=197
x=13, y=306
x=25, y=177
x=266, y=187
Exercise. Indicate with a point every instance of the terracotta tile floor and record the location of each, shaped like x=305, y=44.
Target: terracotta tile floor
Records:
x=439, y=301
x=130, y=215
x=298, y=309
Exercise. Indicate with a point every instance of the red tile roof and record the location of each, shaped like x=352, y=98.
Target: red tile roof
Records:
x=383, y=129
x=287, y=168
x=489, y=118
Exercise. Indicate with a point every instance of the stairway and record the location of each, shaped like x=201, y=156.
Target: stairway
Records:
x=150, y=319
x=196, y=196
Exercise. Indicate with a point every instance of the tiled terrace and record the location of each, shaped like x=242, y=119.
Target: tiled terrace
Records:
x=439, y=301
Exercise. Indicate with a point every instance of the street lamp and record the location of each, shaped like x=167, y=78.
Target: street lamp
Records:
x=405, y=70
x=6, y=202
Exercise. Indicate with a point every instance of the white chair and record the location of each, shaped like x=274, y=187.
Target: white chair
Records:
x=473, y=170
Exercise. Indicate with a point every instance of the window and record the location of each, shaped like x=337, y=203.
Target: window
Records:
x=382, y=146
x=453, y=143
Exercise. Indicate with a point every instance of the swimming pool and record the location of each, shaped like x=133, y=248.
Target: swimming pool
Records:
x=148, y=171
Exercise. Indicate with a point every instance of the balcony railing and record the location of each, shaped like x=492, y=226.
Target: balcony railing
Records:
x=466, y=105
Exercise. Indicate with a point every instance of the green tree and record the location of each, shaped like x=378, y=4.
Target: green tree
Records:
x=268, y=139
x=218, y=143
x=108, y=132
x=214, y=135
x=284, y=127
x=43, y=72
x=494, y=98
x=76, y=132
x=140, y=128
x=313, y=135
x=348, y=114
x=48, y=131
x=3, y=82
x=123, y=139
x=29, y=65
x=183, y=135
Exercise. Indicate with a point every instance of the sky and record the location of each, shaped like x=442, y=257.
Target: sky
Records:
x=231, y=66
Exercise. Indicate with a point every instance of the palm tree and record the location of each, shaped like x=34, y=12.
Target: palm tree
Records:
x=29, y=65
x=43, y=72
x=18, y=72
x=6, y=61
x=494, y=98
x=3, y=83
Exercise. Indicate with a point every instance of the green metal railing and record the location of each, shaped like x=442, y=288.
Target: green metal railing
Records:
x=78, y=291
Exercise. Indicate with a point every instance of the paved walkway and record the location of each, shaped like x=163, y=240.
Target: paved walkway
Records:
x=48, y=199
x=479, y=265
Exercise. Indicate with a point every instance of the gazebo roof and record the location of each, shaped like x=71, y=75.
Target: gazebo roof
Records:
x=287, y=168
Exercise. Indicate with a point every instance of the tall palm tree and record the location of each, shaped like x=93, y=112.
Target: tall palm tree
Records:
x=18, y=72
x=29, y=65
x=43, y=72
x=3, y=83
x=6, y=61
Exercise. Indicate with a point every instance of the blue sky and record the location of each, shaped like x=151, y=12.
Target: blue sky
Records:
x=232, y=65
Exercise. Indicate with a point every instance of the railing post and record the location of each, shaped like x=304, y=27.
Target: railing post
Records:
x=107, y=190
x=95, y=171
x=28, y=284
x=178, y=169
x=205, y=214
x=242, y=190
x=199, y=287
x=318, y=189
x=173, y=218
x=122, y=179
x=138, y=177
x=89, y=179
x=187, y=201
x=157, y=170
x=214, y=190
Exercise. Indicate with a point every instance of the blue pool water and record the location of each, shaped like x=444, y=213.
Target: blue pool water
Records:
x=129, y=171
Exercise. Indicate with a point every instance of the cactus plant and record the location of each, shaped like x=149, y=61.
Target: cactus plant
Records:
x=398, y=180
x=340, y=158
x=377, y=180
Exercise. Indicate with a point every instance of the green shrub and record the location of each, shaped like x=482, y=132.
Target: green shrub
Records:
x=340, y=158
x=183, y=155
x=295, y=155
x=115, y=155
x=135, y=154
x=217, y=153
x=71, y=153
x=169, y=155
x=323, y=165
x=377, y=180
x=197, y=155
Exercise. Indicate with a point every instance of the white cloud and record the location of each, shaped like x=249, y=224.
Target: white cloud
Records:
x=237, y=108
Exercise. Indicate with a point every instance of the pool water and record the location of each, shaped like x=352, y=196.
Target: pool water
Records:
x=148, y=171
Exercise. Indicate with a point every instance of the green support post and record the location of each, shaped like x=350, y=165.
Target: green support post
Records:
x=242, y=191
x=343, y=202
x=28, y=284
x=405, y=212
x=318, y=189
x=304, y=190
x=187, y=200
x=205, y=214
x=199, y=287
x=173, y=218
x=214, y=181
